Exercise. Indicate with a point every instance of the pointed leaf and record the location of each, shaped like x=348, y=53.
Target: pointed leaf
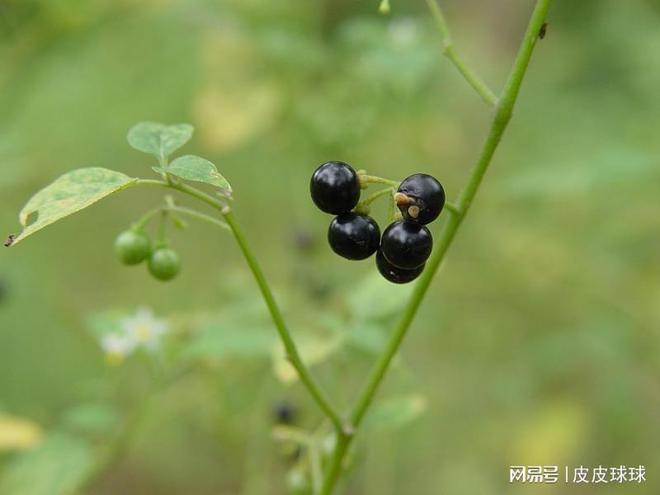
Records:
x=57, y=466
x=191, y=167
x=159, y=139
x=70, y=193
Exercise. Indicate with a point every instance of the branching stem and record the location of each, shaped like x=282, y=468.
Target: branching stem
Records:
x=450, y=52
x=373, y=197
x=285, y=335
x=498, y=126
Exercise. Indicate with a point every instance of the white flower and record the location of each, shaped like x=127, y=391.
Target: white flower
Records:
x=116, y=347
x=144, y=329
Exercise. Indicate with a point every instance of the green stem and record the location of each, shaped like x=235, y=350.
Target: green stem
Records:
x=450, y=52
x=292, y=353
x=452, y=208
x=198, y=215
x=372, y=179
x=373, y=197
x=146, y=218
x=498, y=126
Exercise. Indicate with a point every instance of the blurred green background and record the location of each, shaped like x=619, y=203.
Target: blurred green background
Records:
x=538, y=343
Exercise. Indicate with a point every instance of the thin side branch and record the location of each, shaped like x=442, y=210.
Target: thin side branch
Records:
x=473, y=79
x=278, y=319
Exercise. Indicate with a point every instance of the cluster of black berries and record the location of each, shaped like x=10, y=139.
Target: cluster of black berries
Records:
x=405, y=245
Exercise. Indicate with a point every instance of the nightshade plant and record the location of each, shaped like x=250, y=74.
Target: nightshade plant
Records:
x=81, y=188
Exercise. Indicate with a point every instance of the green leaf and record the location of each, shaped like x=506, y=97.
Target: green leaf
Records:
x=367, y=337
x=376, y=299
x=396, y=412
x=57, y=466
x=191, y=167
x=159, y=139
x=94, y=418
x=70, y=193
x=247, y=340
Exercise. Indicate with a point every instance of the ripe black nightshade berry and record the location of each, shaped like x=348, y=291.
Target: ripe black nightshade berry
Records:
x=394, y=274
x=420, y=198
x=354, y=236
x=406, y=244
x=335, y=188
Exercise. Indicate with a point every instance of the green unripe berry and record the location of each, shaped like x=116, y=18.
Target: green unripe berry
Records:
x=164, y=263
x=132, y=247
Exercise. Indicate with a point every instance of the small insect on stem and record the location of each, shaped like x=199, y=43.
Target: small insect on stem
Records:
x=543, y=30
x=10, y=240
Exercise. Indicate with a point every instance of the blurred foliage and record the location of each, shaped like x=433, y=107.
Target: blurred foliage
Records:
x=538, y=342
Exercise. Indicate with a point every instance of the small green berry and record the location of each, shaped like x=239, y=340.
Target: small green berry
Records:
x=132, y=247
x=164, y=263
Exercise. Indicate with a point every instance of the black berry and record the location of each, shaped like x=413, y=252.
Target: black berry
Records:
x=394, y=274
x=420, y=198
x=353, y=236
x=164, y=263
x=406, y=244
x=285, y=413
x=132, y=247
x=335, y=188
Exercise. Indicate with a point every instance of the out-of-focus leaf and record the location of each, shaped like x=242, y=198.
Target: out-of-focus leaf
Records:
x=96, y=418
x=367, y=337
x=376, y=299
x=18, y=433
x=233, y=339
x=615, y=166
x=552, y=435
x=70, y=193
x=313, y=350
x=191, y=167
x=103, y=323
x=229, y=118
x=291, y=433
x=396, y=412
x=398, y=55
x=57, y=466
x=159, y=139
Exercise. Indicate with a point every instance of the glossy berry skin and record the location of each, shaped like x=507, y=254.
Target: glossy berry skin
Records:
x=353, y=236
x=394, y=274
x=164, y=263
x=421, y=198
x=132, y=247
x=406, y=244
x=335, y=188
